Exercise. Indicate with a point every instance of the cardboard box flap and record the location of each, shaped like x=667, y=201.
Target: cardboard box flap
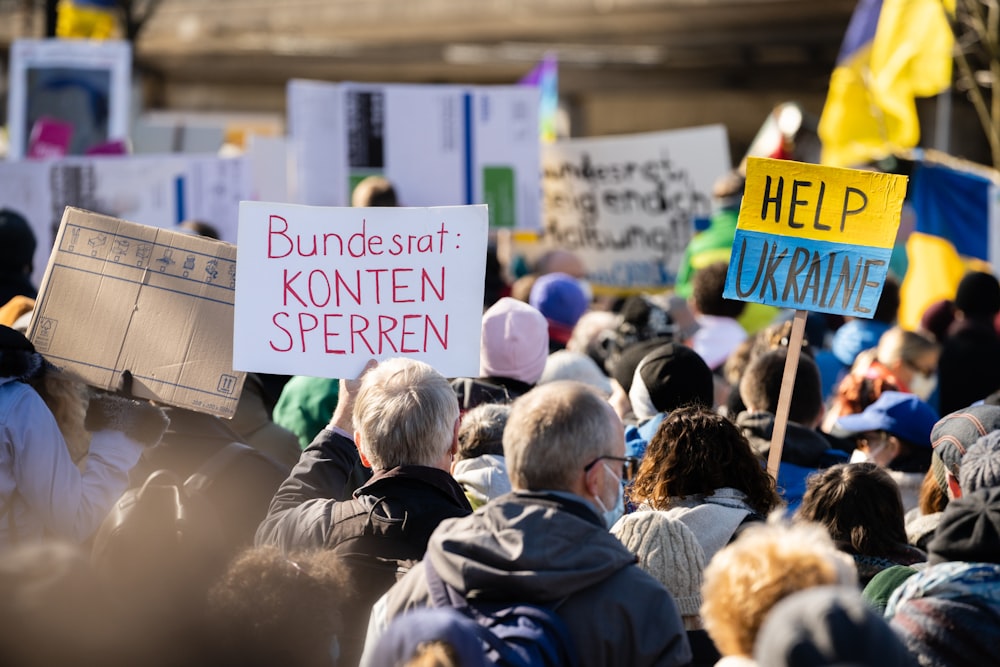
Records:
x=121, y=296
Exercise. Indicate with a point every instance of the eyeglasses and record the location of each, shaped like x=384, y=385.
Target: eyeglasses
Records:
x=630, y=465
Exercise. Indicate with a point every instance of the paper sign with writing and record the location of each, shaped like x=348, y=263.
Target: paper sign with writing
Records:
x=814, y=238
x=627, y=204
x=321, y=290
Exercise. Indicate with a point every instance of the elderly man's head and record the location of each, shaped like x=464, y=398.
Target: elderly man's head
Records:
x=563, y=436
x=406, y=413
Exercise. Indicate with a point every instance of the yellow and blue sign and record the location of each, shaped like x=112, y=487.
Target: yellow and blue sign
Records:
x=814, y=238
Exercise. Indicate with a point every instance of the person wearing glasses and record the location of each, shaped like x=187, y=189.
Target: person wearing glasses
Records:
x=547, y=543
x=700, y=468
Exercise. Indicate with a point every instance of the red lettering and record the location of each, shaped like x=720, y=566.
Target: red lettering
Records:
x=383, y=333
x=378, y=291
x=288, y=289
x=404, y=333
x=357, y=235
x=303, y=329
x=441, y=234
x=360, y=333
x=290, y=339
x=425, y=280
x=377, y=242
x=319, y=285
x=271, y=233
x=397, y=244
x=428, y=325
x=327, y=335
x=396, y=287
x=338, y=282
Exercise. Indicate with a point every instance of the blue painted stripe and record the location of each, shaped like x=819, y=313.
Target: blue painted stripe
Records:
x=806, y=274
x=179, y=191
x=467, y=120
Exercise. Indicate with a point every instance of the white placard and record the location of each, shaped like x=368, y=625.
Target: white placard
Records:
x=82, y=82
x=321, y=290
x=438, y=145
x=155, y=190
x=627, y=204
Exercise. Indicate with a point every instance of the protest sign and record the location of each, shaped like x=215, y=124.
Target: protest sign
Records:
x=439, y=145
x=321, y=290
x=85, y=83
x=626, y=205
x=812, y=238
x=119, y=296
x=155, y=190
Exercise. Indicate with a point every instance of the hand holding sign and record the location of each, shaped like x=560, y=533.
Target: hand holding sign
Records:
x=812, y=238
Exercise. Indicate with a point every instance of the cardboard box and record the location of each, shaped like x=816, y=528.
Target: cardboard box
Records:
x=120, y=296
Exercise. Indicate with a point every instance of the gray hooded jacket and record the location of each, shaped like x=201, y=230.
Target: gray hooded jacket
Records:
x=552, y=549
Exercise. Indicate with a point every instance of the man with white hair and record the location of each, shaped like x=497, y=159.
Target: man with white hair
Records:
x=547, y=543
x=404, y=422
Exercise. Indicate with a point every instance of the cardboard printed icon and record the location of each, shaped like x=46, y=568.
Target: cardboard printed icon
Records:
x=120, y=296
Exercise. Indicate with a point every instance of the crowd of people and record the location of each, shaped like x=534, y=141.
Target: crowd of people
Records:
x=598, y=495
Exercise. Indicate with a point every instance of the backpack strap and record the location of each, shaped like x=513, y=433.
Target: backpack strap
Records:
x=215, y=464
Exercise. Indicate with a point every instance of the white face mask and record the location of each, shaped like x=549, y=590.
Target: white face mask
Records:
x=612, y=515
x=923, y=385
x=859, y=456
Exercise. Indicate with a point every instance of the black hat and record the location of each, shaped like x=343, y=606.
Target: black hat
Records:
x=670, y=376
x=17, y=242
x=969, y=530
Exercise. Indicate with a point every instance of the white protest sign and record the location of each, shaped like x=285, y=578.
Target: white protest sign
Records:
x=321, y=290
x=87, y=83
x=154, y=190
x=626, y=204
x=437, y=144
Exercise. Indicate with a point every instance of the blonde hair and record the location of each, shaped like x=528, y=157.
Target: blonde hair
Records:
x=898, y=344
x=765, y=564
x=67, y=397
x=434, y=654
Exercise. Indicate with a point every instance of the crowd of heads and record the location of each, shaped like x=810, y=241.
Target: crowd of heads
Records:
x=647, y=421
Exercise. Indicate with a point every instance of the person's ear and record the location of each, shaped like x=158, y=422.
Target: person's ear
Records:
x=593, y=480
x=954, y=490
x=364, y=459
x=893, y=447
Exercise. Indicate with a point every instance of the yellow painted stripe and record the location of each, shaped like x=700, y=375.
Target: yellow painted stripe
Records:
x=821, y=203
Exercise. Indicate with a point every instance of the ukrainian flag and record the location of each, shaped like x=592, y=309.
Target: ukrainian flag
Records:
x=894, y=50
x=953, y=211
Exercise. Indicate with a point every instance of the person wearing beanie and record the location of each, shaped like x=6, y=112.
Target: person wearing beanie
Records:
x=981, y=464
x=424, y=636
x=45, y=493
x=576, y=366
x=969, y=367
x=949, y=613
x=828, y=625
x=668, y=550
x=562, y=300
x=513, y=349
x=670, y=376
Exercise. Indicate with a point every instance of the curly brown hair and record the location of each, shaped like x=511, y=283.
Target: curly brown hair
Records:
x=696, y=451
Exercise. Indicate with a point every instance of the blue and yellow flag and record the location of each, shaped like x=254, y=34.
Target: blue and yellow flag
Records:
x=894, y=51
x=953, y=210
